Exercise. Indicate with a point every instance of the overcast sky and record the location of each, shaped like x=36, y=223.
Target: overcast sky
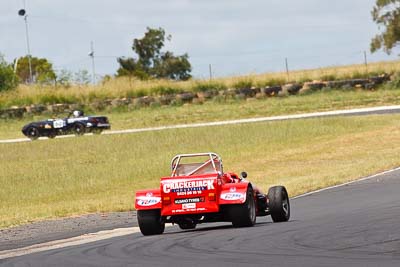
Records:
x=235, y=36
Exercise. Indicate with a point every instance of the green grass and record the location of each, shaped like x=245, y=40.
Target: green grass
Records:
x=62, y=177
x=231, y=109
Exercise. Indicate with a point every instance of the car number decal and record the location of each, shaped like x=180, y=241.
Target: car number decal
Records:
x=58, y=124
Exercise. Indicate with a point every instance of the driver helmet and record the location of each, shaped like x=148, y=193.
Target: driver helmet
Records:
x=77, y=113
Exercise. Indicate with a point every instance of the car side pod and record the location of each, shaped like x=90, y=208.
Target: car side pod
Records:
x=245, y=213
x=148, y=206
x=234, y=193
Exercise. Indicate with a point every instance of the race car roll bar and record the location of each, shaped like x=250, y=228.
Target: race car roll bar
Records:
x=213, y=156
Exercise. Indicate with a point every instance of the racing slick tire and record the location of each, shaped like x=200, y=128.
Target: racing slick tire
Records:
x=150, y=222
x=244, y=215
x=279, y=205
x=79, y=129
x=52, y=135
x=187, y=225
x=33, y=133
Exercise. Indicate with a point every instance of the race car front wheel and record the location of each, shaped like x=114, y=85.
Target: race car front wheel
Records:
x=150, y=222
x=244, y=215
x=279, y=205
x=33, y=133
x=79, y=129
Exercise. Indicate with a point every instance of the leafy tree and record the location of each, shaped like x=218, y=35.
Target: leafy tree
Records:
x=64, y=77
x=82, y=77
x=151, y=62
x=8, y=79
x=42, y=70
x=386, y=13
x=172, y=67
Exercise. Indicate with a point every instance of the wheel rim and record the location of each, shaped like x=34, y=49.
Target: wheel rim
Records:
x=79, y=130
x=285, y=205
x=33, y=132
x=252, y=208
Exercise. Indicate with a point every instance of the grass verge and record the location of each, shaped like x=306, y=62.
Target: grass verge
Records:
x=130, y=87
x=233, y=109
x=62, y=177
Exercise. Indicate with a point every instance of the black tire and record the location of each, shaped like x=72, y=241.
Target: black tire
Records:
x=279, y=205
x=243, y=215
x=33, y=133
x=79, y=129
x=187, y=225
x=150, y=222
x=52, y=135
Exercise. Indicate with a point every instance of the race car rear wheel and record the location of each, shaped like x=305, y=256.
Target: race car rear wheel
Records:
x=79, y=129
x=52, y=135
x=244, y=215
x=279, y=205
x=150, y=222
x=33, y=133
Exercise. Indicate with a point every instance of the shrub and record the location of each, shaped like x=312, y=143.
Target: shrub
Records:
x=395, y=81
x=165, y=90
x=204, y=86
x=329, y=77
x=8, y=80
x=243, y=83
x=271, y=82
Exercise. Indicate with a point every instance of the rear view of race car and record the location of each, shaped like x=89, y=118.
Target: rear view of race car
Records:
x=198, y=191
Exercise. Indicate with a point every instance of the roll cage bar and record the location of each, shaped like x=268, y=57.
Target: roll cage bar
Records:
x=214, y=159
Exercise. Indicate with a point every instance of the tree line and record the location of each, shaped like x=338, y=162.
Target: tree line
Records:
x=150, y=62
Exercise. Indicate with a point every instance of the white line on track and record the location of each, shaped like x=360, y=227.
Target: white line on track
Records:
x=73, y=241
x=358, y=111
x=102, y=235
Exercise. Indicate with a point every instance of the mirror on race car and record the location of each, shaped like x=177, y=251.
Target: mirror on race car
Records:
x=243, y=175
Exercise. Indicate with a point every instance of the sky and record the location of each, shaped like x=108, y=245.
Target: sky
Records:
x=236, y=37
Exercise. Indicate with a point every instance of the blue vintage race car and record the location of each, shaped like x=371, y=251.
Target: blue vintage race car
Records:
x=76, y=123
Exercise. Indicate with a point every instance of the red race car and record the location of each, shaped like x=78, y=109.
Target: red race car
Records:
x=199, y=191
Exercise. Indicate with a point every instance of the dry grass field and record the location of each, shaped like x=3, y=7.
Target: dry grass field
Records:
x=63, y=177
x=130, y=87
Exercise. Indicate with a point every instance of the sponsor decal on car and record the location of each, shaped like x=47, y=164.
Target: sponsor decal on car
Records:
x=232, y=196
x=71, y=120
x=186, y=186
x=148, y=201
x=191, y=209
x=189, y=206
x=189, y=200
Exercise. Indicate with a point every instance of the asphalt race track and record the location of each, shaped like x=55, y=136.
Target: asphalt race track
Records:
x=352, y=225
